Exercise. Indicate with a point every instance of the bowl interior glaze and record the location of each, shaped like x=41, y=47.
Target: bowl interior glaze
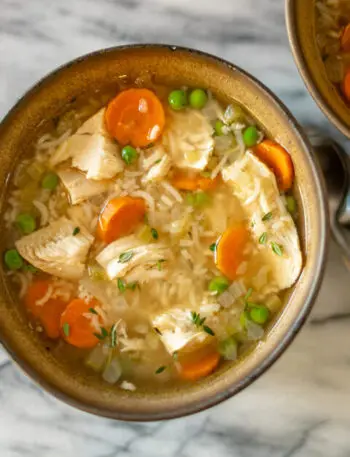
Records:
x=174, y=67
x=300, y=16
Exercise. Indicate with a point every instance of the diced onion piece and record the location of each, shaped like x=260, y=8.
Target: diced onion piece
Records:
x=223, y=143
x=273, y=303
x=226, y=299
x=96, y=359
x=112, y=372
x=254, y=331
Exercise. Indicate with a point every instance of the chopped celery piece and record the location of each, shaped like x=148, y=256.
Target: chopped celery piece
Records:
x=145, y=234
x=228, y=348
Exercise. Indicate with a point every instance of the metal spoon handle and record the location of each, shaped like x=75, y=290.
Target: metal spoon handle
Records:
x=335, y=164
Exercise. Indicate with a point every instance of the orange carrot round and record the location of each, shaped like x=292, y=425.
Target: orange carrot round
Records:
x=198, y=368
x=229, y=250
x=183, y=181
x=278, y=159
x=136, y=117
x=50, y=312
x=345, y=39
x=346, y=85
x=120, y=217
x=76, y=328
x=35, y=292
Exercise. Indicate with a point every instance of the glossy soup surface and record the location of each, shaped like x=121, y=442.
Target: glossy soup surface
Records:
x=151, y=234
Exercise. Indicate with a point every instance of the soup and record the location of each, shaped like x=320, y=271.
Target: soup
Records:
x=151, y=235
x=333, y=39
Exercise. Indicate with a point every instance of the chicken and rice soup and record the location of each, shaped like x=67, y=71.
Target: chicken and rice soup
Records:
x=333, y=39
x=151, y=235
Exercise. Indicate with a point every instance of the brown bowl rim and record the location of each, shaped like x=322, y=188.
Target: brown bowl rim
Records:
x=303, y=68
x=288, y=337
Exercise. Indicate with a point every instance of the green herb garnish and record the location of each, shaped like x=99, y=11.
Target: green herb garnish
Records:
x=175, y=356
x=208, y=330
x=212, y=247
x=195, y=318
x=159, y=264
x=267, y=217
x=277, y=248
x=102, y=335
x=199, y=321
x=263, y=238
x=160, y=369
x=248, y=294
x=157, y=161
x=131, y=285
x=93, y=311
x=76, y=231
x=66, y=329
x=154, y=234
x=114, y=336
x=125, y=256
x=121, y=285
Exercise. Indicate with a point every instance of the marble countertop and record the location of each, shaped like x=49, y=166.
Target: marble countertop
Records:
x=300, y=406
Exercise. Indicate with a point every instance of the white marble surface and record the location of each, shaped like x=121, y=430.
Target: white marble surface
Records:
x=301, y=406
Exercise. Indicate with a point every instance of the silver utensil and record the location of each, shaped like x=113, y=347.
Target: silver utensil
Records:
x=335, y=164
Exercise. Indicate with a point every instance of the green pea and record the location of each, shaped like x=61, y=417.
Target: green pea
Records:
x=198, y=199
x=49, y=181
x=259, y=314
x=198, y=98
x=218, y=284
x=190, y=200
x=26, y=223
x=31, y=268
x=218, y=127
x=201, y=198
x=250, y=136
x=129, y=154
x=291, y=204
x=177, y=99
x=13, y=260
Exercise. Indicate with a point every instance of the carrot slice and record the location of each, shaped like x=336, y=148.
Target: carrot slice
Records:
x=35, y=292
x=278, y=159
x=120, y=217
x=183, y=181
x=229, y=250
x=196, y=369
x=136, y=117
x=50, y=312
x=76, y=328
x=345, y=39
x=346, y=85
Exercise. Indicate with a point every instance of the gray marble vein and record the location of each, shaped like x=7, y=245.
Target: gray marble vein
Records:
x=300, y=407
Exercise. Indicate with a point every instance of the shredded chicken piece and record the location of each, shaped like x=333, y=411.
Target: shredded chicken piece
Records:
x=57, y=249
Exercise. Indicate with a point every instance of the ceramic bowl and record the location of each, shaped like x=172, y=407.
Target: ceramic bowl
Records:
x=175, y=67
x=300, y=16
